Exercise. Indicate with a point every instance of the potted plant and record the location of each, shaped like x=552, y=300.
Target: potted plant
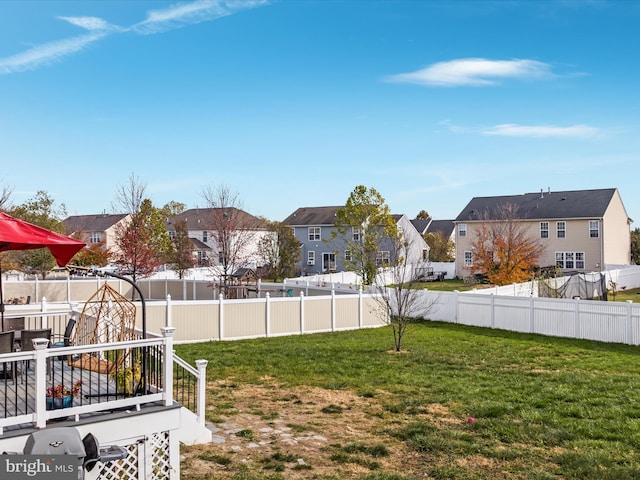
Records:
x=61, y=396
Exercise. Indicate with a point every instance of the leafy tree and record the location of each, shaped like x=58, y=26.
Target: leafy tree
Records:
x=42, y=211
x=93, y=255
x=280, y=250
x=172, y=208
x=635, y=246
x=441, y=249
x=141, y=246
x=364, y=224
x=232, y=230
x=423, y=215
x=181, y=256
x=503, y=248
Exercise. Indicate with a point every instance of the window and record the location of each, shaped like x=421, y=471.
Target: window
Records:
x=594, y=228
x=94, y=237
x=172, y=235
x=462, y=230
x=382, y=258
x=221, y=258
x=425, y=254
x=468, y=259
x=561, y=229
x=204, y=236
x=311, y=257
x=314, y=233
x=347, y=255
x=329, y=262
x=570, y=260
x=544, y=229
x=355, y=234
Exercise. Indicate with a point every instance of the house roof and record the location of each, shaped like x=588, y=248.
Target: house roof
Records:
x=421, y=224
x=313, y=216
x=543, y=205
x=204, y=219
x=445, y=227
x=92, y=223
x=198, y=244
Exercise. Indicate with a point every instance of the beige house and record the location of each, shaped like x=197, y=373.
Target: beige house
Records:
x=98, y=228
x=579, y=230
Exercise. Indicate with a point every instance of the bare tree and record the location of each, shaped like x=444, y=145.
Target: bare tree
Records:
x=232, y=230
x=5, y=194
x=402, y=300
x=129, y=196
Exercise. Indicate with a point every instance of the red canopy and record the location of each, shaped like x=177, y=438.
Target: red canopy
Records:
x=17, y=234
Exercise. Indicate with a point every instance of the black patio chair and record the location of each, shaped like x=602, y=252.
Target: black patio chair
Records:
x=7, y=345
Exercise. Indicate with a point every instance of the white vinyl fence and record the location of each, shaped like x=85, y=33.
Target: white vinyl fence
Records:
x=616, y=322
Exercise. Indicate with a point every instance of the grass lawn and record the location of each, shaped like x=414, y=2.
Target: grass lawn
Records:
x=460, y=403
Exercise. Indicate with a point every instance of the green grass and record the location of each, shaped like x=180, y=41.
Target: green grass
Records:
x=624, y=295
x=543, y=407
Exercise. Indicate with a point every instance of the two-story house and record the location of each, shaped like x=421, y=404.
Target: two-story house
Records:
x=579, y=230
x=203, y=225
x=322, y=253
x=96, y=229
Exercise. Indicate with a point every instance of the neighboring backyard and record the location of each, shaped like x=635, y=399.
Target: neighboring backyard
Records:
x=459, y=403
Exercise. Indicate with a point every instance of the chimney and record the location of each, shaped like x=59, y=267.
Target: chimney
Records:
x=541, y=193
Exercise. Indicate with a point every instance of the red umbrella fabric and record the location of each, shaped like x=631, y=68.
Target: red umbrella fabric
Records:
x=16, y=234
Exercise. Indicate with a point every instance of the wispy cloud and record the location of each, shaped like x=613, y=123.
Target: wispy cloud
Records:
x=542, y=131
x=156, y=21
x=474, y=72
x=47, y=53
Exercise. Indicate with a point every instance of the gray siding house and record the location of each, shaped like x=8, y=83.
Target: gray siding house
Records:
x=320, y=253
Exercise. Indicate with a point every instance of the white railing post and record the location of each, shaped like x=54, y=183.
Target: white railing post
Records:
x=168, y=319
x=202, y=390
x=167, y=333
x=69, y=289
x=40, y=347
x=301, y=312
x=267, y=314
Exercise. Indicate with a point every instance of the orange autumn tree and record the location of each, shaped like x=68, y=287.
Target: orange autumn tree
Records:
x=503, y=247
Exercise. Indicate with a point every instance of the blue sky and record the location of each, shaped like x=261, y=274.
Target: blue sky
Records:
x=294, y=103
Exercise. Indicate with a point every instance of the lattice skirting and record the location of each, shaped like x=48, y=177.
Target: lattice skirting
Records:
x=149, y=455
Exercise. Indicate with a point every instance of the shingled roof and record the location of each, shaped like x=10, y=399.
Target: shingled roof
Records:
x=204, y=219
x=92, y=223
x=543, y=205
x=313, y=216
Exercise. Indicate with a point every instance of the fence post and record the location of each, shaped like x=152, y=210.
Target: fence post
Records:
x=333, y=309
x=220, y=316
x=493, y=310
x=168, y=318
x=577, y=319
x=456, y=299
x=69, y=289
x=40, y=347
x=301, y=312
x=360, y=314
x=44, y=322
x=167, y=381
x=532, y=316
x=629, y=322
x=201, y=365
x=267, y=314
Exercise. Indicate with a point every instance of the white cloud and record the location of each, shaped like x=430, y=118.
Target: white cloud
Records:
x=542, y=131
x=46, y=53
x=157, y=21
x=177, y=16
x=476, y=72
x=89, y=23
